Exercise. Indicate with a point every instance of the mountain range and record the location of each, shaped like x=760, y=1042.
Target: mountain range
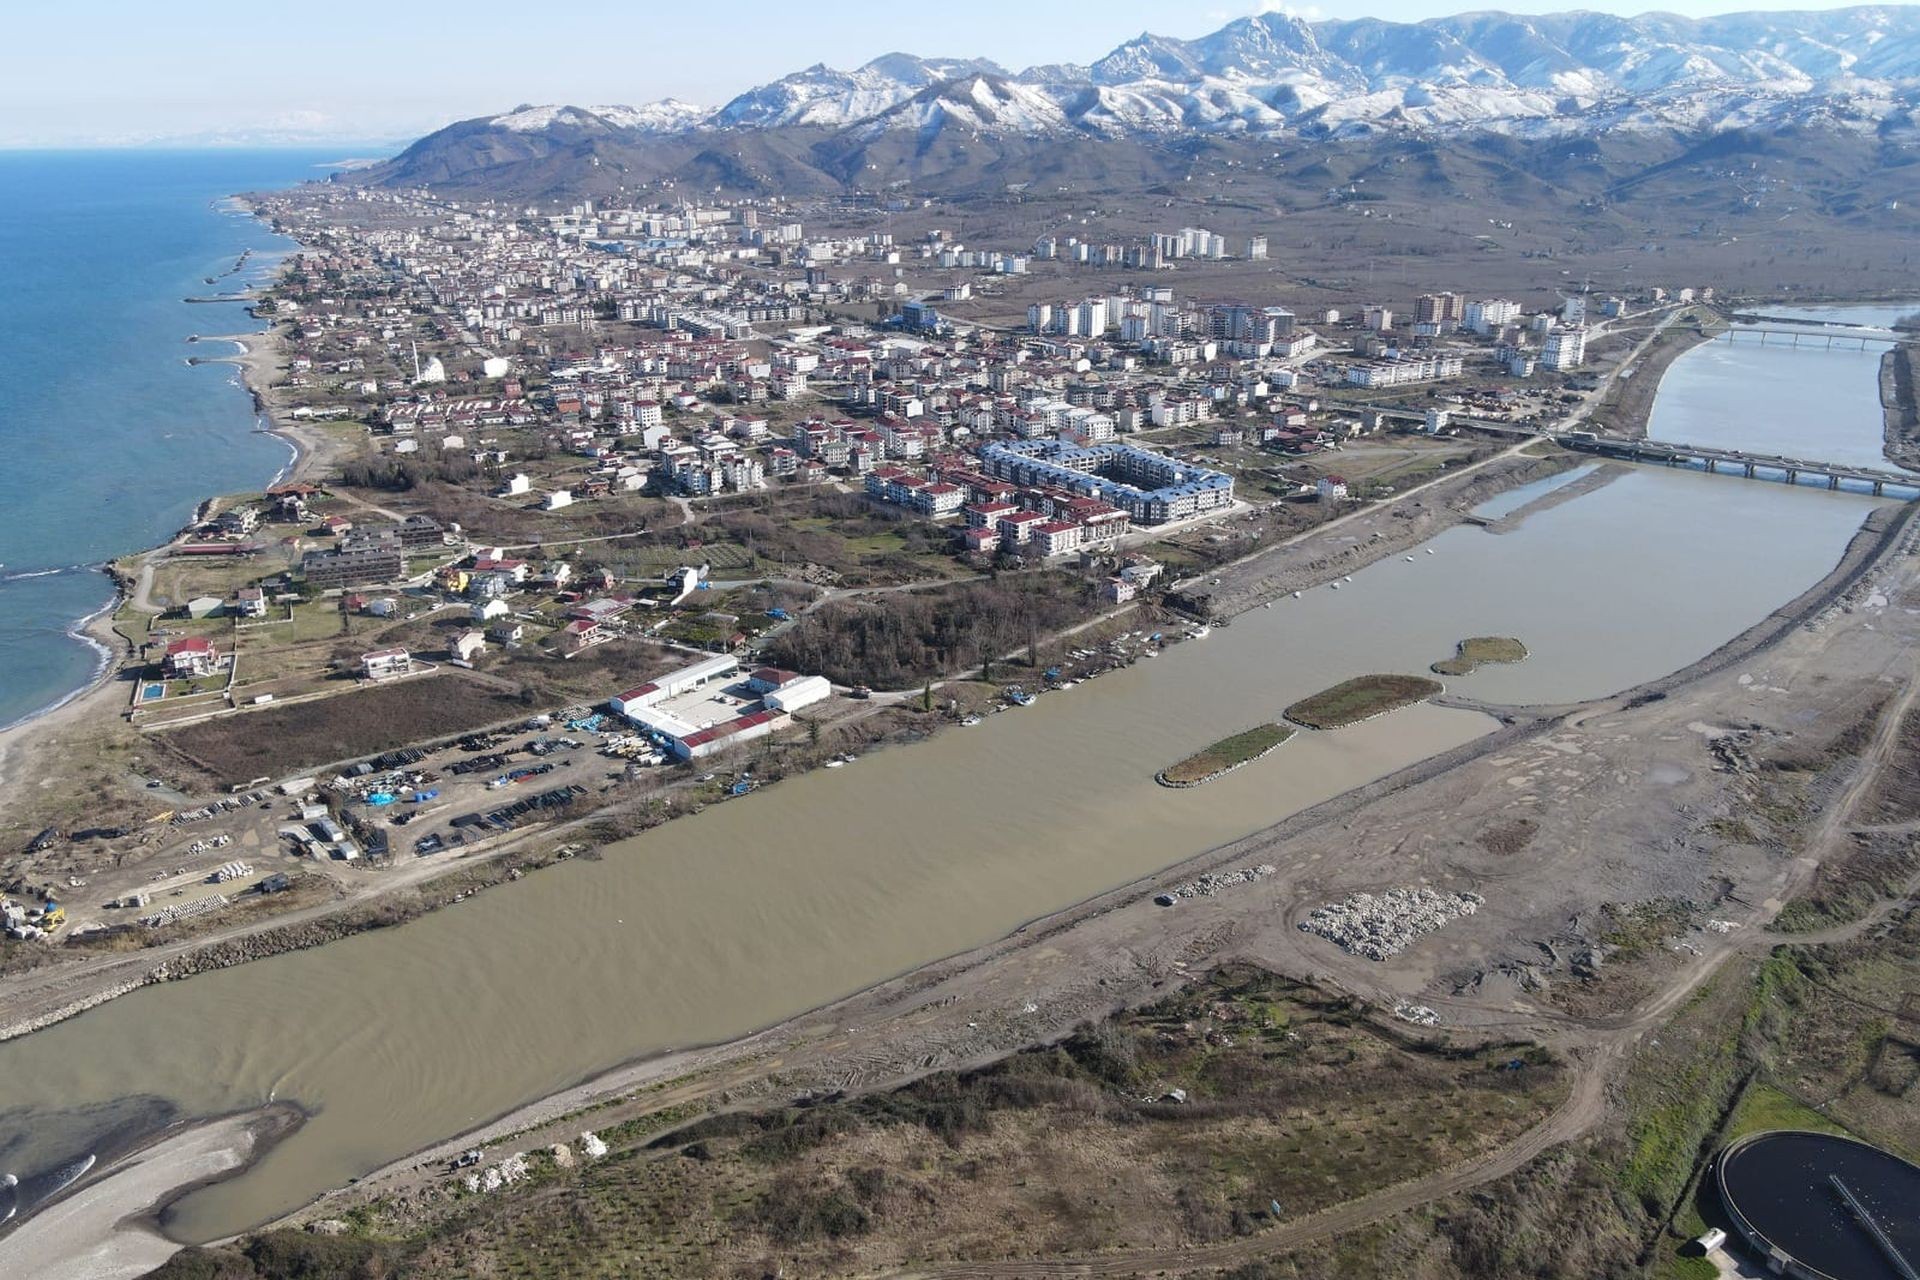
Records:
x=1271, y=76
x=1272, y=73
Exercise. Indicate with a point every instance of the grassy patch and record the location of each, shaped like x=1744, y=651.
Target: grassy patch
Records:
x=1204, y=765
x=1875, y=866
x=1763, y=1107
x=280, y=740
x=1359, y=699
x=1480, y=651
x=1290, y=1095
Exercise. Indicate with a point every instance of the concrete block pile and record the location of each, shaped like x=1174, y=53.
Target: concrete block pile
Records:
x=1213, y=882
x=1380, y=925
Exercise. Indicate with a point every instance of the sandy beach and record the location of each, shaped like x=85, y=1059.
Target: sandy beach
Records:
x=261, y=362
x=108, y=1228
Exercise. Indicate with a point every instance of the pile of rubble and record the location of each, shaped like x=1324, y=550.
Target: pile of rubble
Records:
x=1213, y=882
x=1730, y=752
x=515, y=1167
x=1379, y=925
x=1419, y=1015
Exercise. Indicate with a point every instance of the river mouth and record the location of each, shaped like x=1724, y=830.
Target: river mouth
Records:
x=755, y=910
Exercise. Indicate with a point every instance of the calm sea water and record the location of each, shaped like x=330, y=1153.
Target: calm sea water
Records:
x=107, y=437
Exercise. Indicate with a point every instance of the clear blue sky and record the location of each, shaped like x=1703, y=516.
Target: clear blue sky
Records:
x=94, y=72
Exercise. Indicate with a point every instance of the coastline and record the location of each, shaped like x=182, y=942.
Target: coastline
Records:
x=258, y=360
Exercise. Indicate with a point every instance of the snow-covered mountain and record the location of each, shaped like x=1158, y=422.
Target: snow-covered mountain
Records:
x=668, y=115
x=1272, y=75
x=822, y=96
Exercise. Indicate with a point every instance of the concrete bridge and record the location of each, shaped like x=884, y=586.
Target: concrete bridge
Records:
x=1845, y=336
x=1805, y=322
x=1735, y=462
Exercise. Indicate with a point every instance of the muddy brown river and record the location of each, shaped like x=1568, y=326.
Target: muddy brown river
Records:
x=765, y=906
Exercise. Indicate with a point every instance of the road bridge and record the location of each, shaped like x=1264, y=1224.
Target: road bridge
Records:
x=1753, y=466
x=1844, y=336
x=1807, y=322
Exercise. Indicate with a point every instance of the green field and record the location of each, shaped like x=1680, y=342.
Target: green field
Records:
x=1480, y=651
x=1359, y=699
x=1207, y=764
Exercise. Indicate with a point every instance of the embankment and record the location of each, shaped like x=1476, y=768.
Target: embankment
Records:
x=1605, y=475
x=1902, y=432
x=1353, y=542
x=1628, y=404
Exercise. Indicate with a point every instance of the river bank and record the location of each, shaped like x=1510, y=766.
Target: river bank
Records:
x=1627, y=405
x=1897, y=395
x=1352, y=542
x=1045, y=976
x=782, y=847
x=1116, y=949
x=110, y=1227
x=43, y=1000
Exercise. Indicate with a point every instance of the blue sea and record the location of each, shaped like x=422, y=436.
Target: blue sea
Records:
x=108, y=438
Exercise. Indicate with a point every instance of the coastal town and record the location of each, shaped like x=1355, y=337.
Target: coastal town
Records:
x=667, y=481
x=606, y=515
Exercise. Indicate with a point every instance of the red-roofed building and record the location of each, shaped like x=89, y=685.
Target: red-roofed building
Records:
x=1054, y=538
x=704, y=742
x=767, y=679
x=191, y=656
x=1018, y=526
x=938, y=499
x=986, y=515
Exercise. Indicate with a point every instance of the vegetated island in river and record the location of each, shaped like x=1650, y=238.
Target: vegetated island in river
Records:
x=1224, y=756
x=1480, y=651
x=1361, y=698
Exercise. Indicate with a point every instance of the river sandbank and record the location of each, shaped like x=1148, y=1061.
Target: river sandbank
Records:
x=109, y=1227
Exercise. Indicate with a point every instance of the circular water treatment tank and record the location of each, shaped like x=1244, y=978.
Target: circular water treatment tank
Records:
x=1823, y=1207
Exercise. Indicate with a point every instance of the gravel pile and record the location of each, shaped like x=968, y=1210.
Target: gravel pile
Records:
x=1379, y=925
x=1213, y=882
x=1418, y=1014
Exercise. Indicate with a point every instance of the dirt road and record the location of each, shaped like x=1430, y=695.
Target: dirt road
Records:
x=1601, y=1048
x=1584, y=1108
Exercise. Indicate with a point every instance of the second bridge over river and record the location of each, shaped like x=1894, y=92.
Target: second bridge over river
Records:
x=1753, y=466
